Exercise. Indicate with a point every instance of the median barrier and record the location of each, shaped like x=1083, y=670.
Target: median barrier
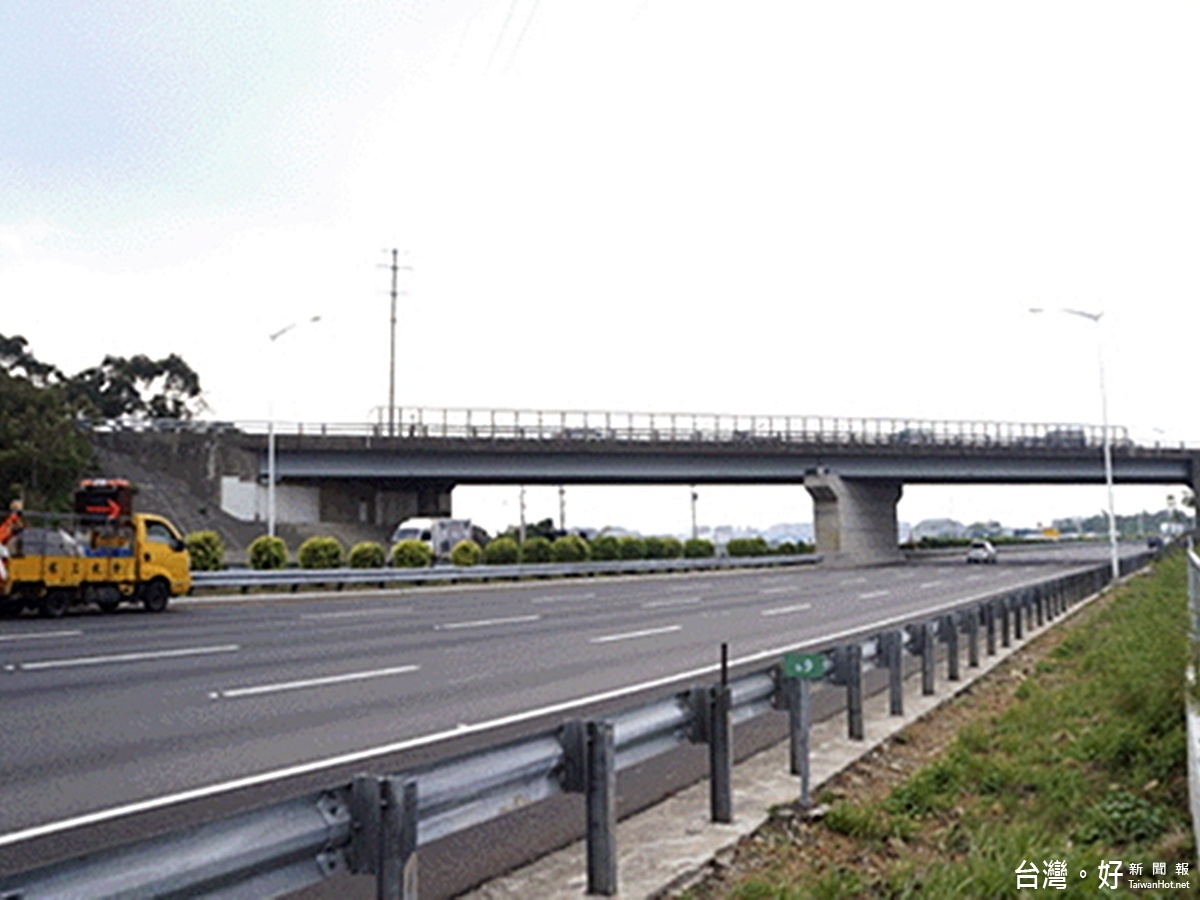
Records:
x=293, y=579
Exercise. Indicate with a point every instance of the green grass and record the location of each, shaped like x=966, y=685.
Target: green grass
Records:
x=1087, y=765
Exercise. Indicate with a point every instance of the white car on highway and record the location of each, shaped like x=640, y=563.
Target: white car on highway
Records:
x=981, y=551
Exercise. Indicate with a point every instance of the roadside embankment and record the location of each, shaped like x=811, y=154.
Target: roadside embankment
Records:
x=1064, y=768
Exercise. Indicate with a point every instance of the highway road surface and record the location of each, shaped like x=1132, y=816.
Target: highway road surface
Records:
x=113, y=713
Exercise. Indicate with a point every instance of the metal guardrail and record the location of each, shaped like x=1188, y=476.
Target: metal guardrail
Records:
x=583, y=426
x=376, y=825
x=245, y=579
x=1192, y=706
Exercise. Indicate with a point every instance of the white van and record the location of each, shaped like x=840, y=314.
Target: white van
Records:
x=440, y=534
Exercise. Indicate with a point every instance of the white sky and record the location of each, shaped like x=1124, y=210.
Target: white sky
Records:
x=791, y=207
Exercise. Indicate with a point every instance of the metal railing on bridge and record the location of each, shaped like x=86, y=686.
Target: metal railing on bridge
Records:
x=582, y=426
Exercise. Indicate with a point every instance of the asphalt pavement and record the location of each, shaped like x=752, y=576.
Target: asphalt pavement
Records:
x=107, y=716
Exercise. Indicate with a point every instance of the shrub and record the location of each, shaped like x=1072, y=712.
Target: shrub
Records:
x=630, y=547
x=755, y=546
x=268, y=552
x=672, y=548
x=656, y=548
x=206, y=551
x=466, y=553
x=605, y=546
x=503, y=551
x=411, y=554
x=367, y=555
x=320, y=553
x=535, y=550
x=569, y=548
x=698, y=548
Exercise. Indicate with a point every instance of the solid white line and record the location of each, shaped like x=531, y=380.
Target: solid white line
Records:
x=346, y=759
x=631, y=635
x=780, y=610
x=776, y=590
x=926, y=585
x=484, y=623
x=871, y=595
x=39, y=635
x=121, y=658
x=308, y=682
x=859, y=580
x=662, y=604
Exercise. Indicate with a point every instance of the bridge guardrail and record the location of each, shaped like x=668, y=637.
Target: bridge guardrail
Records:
x=375, y=825
x=584, y=427
x=244, y=579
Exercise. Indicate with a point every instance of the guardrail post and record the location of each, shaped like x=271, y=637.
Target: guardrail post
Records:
x=854, y=691
x=601, y=796
x=397, y=876
x=989, y=622
x=1018, y=608
x=384, y=834
x=363, y=854
x=1005, y=623
x=1040, y=605
x=720, y=745
x=894, y=654
x=950, y=636
x=972, y=617
x=928, y=657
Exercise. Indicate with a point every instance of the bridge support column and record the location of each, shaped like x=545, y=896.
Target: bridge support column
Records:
x=855, y=520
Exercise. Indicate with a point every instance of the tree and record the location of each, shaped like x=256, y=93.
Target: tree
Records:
x=17, y=360
x=42, y=454
x=137, y=387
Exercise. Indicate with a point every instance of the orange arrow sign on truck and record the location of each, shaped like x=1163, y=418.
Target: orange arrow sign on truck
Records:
x=110, y=509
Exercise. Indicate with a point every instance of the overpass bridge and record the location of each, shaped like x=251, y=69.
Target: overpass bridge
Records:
x=854, y=468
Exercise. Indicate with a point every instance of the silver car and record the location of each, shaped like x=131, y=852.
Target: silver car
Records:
x=981, y=551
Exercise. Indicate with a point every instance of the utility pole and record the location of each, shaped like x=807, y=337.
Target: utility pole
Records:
x=396, y=267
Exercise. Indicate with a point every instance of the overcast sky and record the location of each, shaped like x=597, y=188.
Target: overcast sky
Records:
x=794, y=207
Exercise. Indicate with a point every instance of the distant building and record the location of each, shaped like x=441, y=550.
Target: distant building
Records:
x=939, y=528
x=789, y=532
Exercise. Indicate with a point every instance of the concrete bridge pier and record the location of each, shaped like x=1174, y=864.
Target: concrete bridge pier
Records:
x=855, y=519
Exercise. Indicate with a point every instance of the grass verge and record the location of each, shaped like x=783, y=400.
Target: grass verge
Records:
x=1068, y=762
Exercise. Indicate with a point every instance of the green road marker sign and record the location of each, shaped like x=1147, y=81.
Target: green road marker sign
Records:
x=807, y=666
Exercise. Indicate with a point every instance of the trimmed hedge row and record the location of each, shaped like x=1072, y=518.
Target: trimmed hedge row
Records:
x=266, y=552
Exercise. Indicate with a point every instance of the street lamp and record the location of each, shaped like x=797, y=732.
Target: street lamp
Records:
x=273, y=337
x=1095, y=317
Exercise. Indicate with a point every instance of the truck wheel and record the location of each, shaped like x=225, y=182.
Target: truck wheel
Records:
x=108, y=605
x=155, y=596
x=54, y=604
x=10, y=608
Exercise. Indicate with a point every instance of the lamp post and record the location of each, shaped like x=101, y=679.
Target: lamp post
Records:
x=1094, y=317
x=273, y=337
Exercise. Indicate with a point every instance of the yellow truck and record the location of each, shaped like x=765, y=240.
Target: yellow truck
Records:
x=105, y=554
